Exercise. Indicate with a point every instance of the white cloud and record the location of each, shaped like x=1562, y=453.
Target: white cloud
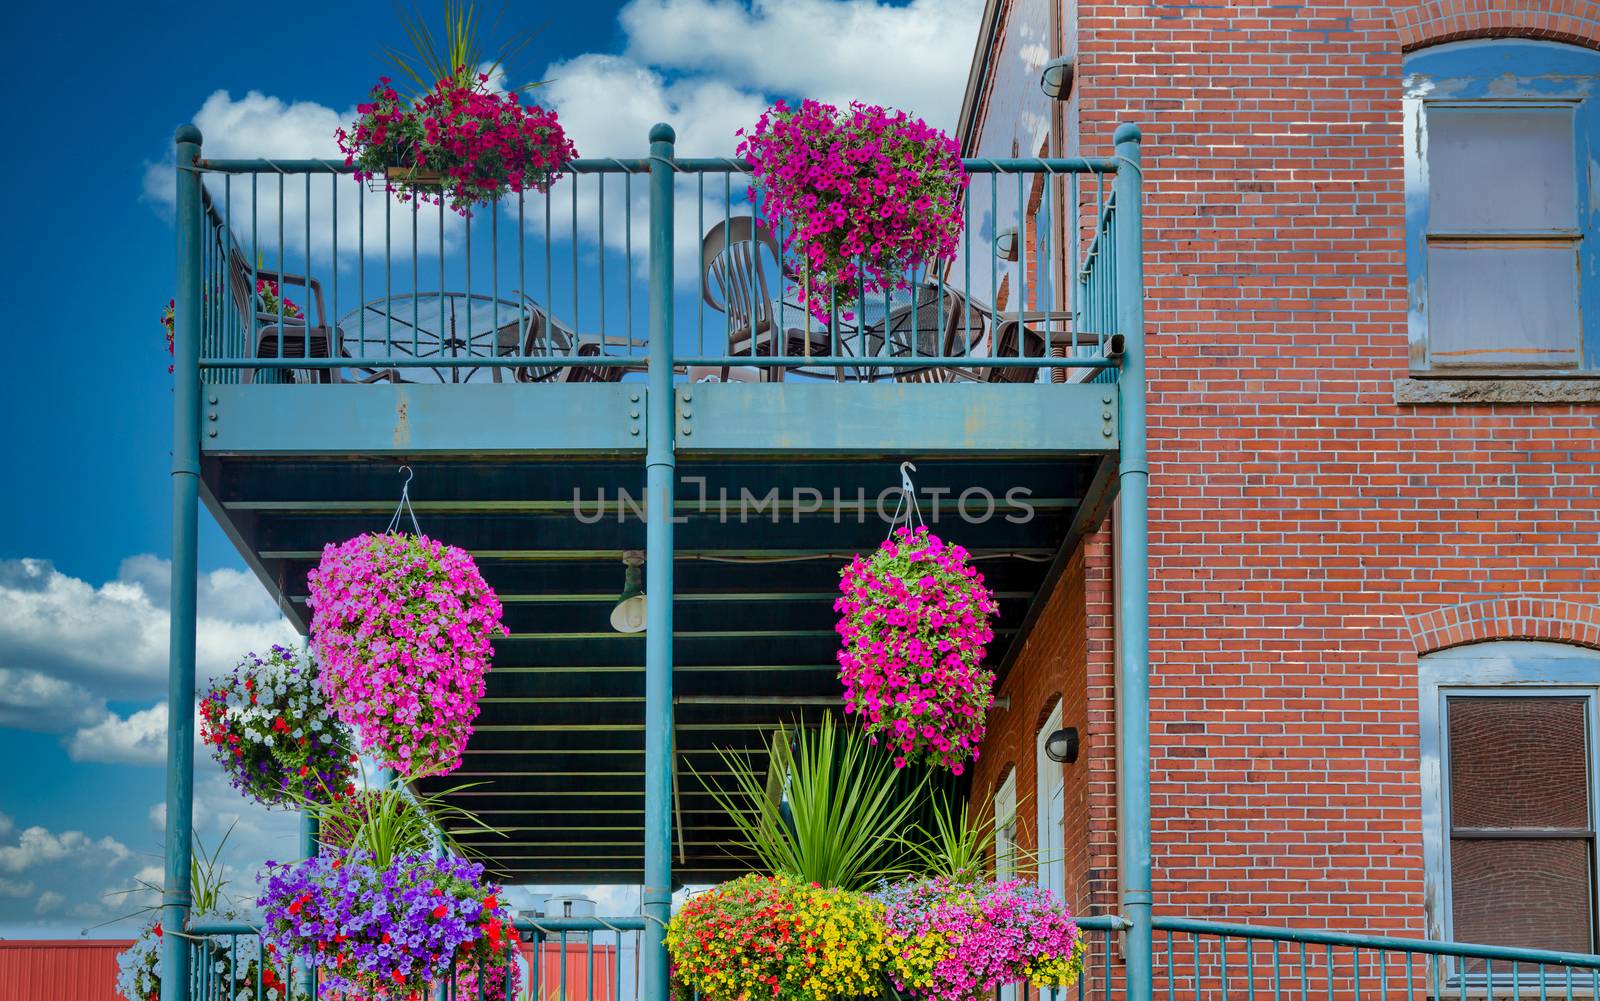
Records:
x=260, y=126
x=31, y=700
x=15, y=888
x=38, y=846
x=608, y=103
x=138, y=739
x=912, y=56
x=49, y=903
x=111, y=639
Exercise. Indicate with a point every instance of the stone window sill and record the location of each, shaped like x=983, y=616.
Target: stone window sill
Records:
x=1467, y=390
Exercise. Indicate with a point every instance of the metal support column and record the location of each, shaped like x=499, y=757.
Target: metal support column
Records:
x=660, y=418
x=1133, y=573
x=176, y=891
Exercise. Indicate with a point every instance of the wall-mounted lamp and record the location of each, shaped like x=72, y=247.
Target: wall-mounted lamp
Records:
x=629, y=614
x=1056, y=81
x=1062, y=745
x=1005, y=244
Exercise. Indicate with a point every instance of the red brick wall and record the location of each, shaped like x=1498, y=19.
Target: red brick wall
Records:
x=1308, y=535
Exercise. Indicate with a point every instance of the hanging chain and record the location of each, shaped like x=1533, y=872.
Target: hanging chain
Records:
x=404, y=506
x=907, y=501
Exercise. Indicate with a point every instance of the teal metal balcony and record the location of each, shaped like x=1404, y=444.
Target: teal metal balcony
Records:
x=560, y=373
x=517, y=397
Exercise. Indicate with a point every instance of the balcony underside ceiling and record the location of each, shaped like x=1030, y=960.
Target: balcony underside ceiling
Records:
x=557, y=757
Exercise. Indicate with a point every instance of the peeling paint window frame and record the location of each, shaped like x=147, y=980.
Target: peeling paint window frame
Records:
x=1495, y=75
x=1496, y=669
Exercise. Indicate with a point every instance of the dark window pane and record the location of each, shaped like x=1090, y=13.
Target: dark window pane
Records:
x=1518, y=763
x=1531, y=893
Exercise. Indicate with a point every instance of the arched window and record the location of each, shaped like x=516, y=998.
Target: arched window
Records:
x=1509, y=783
x=1502, y=232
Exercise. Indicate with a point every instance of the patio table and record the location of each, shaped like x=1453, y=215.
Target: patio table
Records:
x=441, y=325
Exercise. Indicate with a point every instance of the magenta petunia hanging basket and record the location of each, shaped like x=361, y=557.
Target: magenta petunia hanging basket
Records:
x=402, y=626
x=914, y=621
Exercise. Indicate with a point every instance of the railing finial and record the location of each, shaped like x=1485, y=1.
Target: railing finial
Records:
x=187, y=133
x=661, y=132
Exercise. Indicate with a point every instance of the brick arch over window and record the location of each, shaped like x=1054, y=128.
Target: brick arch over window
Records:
x=1433, y=21
x=1512, y=618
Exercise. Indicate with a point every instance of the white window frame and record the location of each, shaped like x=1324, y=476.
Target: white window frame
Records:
x=1052, y=872
x=1005, y=828
x=1497, y=669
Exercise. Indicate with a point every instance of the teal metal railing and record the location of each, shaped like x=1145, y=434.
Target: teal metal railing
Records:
x=597, y=959
x=557, y=959
x=553, y=286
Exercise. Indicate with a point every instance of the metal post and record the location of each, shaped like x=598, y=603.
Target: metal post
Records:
x=1133, y=574
x=660, y=473
x=176, y=895
x=308, y=848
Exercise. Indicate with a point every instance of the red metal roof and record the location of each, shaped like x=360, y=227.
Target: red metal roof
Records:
x=60, y=970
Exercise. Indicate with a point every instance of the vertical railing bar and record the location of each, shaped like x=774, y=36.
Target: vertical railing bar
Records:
x=589, y=936
x=577, y=323
x=1022, y=265
x=1222, y=966
x=700, y=297
x=494, y=294
x=1249, y=944
x=600, y=242
x=227, y=244
x=439, y=323
x=524, y=320
x=966, y=282
x=1305, y=987
x=1355, y=971
x=562, y=953
x=1277, y=952
x=994, y=258
x=361, y=261
x=1076, y=287
x=1047, y=284
x=1196, y=944
x=727, y=250
x=388, y=273
x=280, y=271
x=333, y=260
x=455, y=373
x=305, y=307
x=549, y=253
x=627, y=241
x=1383, y=975
x=416, y=272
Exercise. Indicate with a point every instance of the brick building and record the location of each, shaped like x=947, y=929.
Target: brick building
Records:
x=1375, y=462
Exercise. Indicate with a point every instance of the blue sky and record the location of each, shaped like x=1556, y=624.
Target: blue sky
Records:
x=85, y=522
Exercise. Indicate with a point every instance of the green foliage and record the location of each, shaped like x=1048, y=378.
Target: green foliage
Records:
x=458, y=53
x=956, y=845
x=827, y=811
x=391, y=819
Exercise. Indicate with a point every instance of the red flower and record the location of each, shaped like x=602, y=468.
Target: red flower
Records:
x=440, y=911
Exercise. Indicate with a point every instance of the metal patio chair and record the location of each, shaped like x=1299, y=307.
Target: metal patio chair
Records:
x=738, y=260
x=548, y=337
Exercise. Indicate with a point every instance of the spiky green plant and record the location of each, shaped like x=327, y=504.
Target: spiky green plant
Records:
x=956, y=843
x=827, y=810
x=459, y=52
x=389, y=819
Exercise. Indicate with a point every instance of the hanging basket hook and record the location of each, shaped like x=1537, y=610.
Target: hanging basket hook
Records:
x=908, y=499
x=405, y=505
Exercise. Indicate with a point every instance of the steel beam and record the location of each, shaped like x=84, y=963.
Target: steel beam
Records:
x=1133, y=574
x=660, y=472
x=175, y=886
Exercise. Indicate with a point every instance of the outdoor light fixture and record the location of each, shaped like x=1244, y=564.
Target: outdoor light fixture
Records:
x=1062, y=745
x=1005, y=244
x=628, y=615
x=1056, y=81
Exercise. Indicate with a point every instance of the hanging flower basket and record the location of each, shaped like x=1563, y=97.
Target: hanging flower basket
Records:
x=952, y=941
x=769, y=937
x=461, y=143
x=384, y=931
x=402, y=626
x=866, y=196
x=270, y=729
x=914, y=621
x=139, y=966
